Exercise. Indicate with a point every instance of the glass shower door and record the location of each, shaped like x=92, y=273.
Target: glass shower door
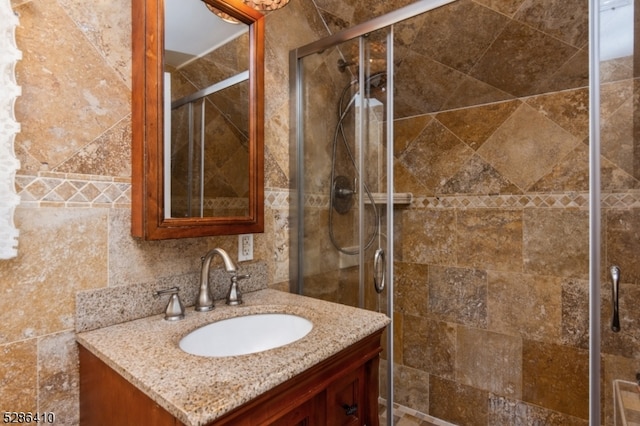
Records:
x=343, y=167
x=618, y=154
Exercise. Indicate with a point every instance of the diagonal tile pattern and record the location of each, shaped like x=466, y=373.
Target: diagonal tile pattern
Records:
x=500, y=48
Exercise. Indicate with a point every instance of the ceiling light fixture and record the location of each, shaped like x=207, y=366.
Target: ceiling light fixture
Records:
x=263, y=6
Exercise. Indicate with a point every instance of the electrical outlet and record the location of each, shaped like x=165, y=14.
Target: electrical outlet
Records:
x=245, y=247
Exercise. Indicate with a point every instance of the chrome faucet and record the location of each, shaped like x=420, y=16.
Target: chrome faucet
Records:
x=205, y=300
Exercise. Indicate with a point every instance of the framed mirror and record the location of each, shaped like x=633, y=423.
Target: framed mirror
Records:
x=197, y=149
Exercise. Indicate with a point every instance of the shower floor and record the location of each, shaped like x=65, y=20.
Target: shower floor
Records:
x=404, y=416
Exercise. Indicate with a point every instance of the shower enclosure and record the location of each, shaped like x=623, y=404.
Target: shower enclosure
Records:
x=469, y=169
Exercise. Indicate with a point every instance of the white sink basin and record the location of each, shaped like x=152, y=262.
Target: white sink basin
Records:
x=245, y=335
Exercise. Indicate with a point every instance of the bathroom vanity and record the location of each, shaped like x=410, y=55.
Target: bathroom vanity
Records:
x=135, y=373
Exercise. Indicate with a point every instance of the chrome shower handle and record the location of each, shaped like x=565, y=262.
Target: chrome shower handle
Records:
x=615, y=290
x=379, y=270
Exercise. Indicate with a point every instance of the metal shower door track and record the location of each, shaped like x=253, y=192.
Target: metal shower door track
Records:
x=374, y=24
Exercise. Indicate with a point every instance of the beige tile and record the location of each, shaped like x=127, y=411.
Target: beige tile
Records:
x=569, y=109
x=565, y=20
x=277, y=167
x=435, y=155
x=472, y=92
x=617, y=138
x=489, y=239
x=411, y=289
x=527, y=146
x=475, y=125
x=274, y=243
x=521, y=59
x=525, y=305
x=570, y=174
x=429, y=346
x=429, y=239
x=426, y=94
x=506, y=411
x=575, y=313
x=108, y=155
x=406, y=130
x=58, y=377
x=367, y=10
x=459, y=34
x=135, y=261
x=411, y=388
x=61, y=251
x=88, y=88
x=489, y=361
x=107, y=25
x=18, y=376
x=556, y=377
x=478, y=177
x=574, y=73
x=405, y=181
x=556, y=242
x=457, y=403
x=458, y=295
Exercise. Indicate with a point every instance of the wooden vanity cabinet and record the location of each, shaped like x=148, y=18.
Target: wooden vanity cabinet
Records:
x=340, y=391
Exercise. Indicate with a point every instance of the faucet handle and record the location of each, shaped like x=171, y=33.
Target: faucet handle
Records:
x=175, y=309
x=234, y=297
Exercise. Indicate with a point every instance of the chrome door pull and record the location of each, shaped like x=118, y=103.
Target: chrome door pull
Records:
x=379, y=270
x=615, y=290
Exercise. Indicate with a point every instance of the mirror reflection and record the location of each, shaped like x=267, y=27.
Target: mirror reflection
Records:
x=206, y=92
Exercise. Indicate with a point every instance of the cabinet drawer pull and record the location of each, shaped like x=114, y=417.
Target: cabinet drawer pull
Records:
x=350, y=410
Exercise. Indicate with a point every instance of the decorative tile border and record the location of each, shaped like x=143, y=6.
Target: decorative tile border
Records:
x=566, y=200
x=70, y=190
x=53, y=189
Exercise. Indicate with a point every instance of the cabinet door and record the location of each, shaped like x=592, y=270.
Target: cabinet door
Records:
x=311, y=413
x=346, y=400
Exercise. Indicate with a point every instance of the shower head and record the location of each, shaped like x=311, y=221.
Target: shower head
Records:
x=375, y=86
x=376, y=80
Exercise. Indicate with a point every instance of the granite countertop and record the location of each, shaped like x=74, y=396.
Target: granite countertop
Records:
x=196, y=389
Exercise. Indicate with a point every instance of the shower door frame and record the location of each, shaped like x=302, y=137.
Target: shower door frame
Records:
x=595, y=215
x=297, y=173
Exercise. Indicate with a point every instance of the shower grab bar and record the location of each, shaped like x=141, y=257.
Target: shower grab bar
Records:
x=615, y=292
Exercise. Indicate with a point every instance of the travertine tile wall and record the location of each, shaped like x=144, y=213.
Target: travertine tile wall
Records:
x=492, y=257
x=74, y=181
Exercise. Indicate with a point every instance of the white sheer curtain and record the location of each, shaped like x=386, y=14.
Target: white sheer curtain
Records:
x=9, y=90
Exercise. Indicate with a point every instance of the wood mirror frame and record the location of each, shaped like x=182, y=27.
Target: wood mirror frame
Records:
x=147, y=174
